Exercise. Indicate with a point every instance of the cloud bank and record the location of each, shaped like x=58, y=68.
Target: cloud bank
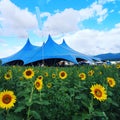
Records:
x=68, y=24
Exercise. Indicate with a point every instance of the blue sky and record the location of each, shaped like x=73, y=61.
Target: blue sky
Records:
x=88, y=26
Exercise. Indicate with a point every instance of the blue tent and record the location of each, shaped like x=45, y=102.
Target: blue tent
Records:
x=21, y=56
x=50, y=53
x=78, y=54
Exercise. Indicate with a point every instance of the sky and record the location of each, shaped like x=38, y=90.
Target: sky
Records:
x=91, y=27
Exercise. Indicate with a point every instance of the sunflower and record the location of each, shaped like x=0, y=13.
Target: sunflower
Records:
x=49, y=85
x=53, y=75
x=82, y=76
x=62, y=74
x=100, y=73
x=8, y=75
x=46, y=74
x=111, y=81
x=7, y=99
x=118, y=66
x=28, y=73
x=98, y=92
x=40, y=77
x=38, y=84
x=90, y=73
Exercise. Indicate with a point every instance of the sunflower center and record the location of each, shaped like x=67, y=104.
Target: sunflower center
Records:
x=62, y=74
x=53, y=75
x=46, y=74
x=81, y=75
x=8, y=75
x=28, y=73
x=90, y=73
x=37, y=84
x=6, y=99
x=98, y=93
x=40, y=77
x=49, y=85
x=110, y=82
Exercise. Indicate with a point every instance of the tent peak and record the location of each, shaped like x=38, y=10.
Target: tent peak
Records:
x=28, y=42
x=63, y=41
x=28, y=45
x=49, y=40
x=49, y=36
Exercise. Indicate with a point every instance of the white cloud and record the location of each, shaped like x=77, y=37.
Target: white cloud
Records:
x=93, y=42
x=105, y=1
x=68, y=20
x=65, y=21
x=14, y=20
x=8, y=52
x=98, y=11
x=3, y=43
x=117, y=26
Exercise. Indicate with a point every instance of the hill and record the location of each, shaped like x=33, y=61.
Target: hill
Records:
x=109, y=56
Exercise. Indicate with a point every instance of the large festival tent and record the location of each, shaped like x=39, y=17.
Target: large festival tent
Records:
x=64, y=44
x=21, y=56
x=49, y=53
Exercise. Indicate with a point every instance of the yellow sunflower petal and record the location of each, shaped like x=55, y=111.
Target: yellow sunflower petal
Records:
x=7, y=99
x=111, y=81
x=62, y=74
x=82, y=76
x=28, y=73
x=98, y=92
x=38, y=84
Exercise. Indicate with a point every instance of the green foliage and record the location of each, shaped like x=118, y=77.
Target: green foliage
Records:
x=67, y=99
x=0, y=62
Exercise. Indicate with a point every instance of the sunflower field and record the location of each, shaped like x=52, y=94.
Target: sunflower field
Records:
x=60, y=93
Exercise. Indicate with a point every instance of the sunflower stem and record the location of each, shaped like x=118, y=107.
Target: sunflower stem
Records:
x=30, y=100
x=91, y=108
x=7, y=114
x=79, y=84
x=40, y=95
